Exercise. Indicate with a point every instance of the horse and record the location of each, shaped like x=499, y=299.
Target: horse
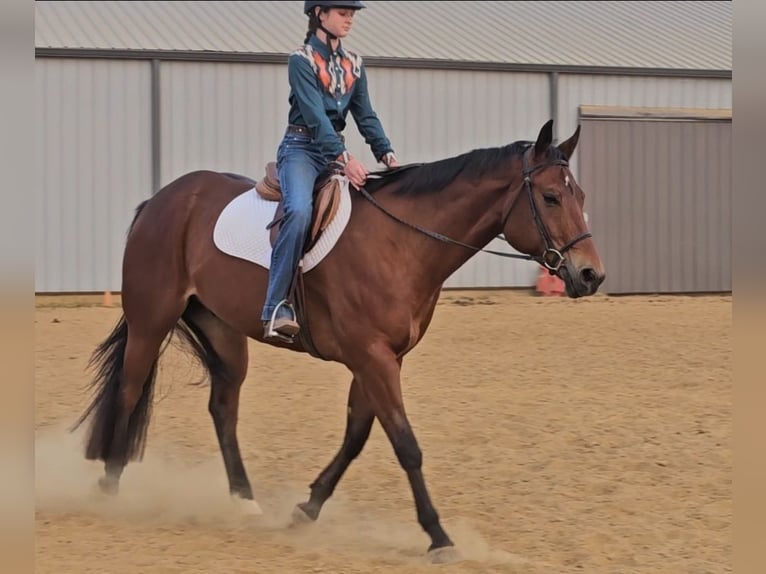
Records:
x=368, y=302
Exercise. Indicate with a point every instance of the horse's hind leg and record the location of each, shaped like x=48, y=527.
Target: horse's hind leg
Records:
x=359, y=421
x=224, y=353
x=121, y=409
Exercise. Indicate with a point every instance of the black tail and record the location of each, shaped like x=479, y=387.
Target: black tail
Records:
x=197, y=342
x=104, y=408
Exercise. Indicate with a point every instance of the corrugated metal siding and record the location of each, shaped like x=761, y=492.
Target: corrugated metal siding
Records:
x=225, y=117
x=433, y=114
x=93, y=168
x=677, y=35
x=659, y=194
x=576, y=90
x=231, y=117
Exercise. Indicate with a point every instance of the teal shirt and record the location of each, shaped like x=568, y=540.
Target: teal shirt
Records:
x=324, y=88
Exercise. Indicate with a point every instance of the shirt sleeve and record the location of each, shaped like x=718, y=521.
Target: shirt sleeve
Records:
x=367, y=120
x=304, y=85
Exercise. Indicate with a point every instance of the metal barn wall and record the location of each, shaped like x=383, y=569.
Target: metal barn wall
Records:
x=575, y=90
x=231, y=116
x=220, y=116
x=660, y=196
x=93, y=166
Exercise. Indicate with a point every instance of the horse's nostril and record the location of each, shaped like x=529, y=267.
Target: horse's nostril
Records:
x=588, y=275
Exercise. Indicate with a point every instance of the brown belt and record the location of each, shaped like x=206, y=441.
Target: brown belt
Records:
x=293, y=129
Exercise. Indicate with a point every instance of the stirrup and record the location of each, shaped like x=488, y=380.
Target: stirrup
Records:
x=272, y=333
x=282, y=303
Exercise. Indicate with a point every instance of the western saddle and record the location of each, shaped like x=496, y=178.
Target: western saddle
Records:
x=326, y=202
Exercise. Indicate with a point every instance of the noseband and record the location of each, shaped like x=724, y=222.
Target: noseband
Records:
x=551, y=258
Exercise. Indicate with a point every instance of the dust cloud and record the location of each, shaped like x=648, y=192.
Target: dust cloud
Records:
x=165, y=490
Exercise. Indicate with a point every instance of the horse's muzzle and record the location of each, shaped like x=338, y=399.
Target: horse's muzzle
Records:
x=581, y=282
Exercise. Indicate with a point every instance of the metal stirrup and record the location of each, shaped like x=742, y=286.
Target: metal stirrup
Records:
x=285, y=303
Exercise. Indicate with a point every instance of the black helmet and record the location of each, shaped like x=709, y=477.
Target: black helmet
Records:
x=309, y=6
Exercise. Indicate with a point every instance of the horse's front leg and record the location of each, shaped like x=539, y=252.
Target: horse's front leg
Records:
x=379, y=376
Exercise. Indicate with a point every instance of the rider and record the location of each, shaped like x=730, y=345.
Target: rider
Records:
x=326, y=82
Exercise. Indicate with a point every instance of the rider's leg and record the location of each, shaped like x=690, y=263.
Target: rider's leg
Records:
x=298, y=169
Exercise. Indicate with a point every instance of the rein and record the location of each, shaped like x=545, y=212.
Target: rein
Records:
x=551, y=258
x=439, y=236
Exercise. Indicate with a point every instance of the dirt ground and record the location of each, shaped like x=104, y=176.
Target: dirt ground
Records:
x=570, y=436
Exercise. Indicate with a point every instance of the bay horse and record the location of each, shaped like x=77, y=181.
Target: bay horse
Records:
x=369, y=301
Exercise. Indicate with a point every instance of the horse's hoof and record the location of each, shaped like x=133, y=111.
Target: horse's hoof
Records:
x=302, y=515
x=247, y=506
x=108, y=485
x=444, y=555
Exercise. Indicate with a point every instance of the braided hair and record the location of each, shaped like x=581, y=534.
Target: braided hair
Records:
x=314, y=24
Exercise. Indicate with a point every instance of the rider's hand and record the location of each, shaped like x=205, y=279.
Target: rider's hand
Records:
x=390, y=160
x=356, y=172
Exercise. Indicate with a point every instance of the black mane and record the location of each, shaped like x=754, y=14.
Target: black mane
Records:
x=436, y=175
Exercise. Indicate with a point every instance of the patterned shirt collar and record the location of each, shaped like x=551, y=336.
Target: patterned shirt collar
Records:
x=322, y=48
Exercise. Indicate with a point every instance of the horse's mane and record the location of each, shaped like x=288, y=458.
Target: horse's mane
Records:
x=436, y=175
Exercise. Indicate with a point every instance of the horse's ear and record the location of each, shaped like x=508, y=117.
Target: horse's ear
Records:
x=544, y=138
x=568, y=147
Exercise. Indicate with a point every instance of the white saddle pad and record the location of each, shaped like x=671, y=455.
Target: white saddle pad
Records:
x=241, y=228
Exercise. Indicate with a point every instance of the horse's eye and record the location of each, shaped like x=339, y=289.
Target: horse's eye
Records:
x=550, y=199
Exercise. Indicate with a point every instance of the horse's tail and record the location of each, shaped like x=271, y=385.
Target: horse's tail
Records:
x=108, y=359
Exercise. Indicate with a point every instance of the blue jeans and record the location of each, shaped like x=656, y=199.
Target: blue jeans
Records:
x=299, y=163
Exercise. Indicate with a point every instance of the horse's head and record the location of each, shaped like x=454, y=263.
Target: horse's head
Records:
x=545, y=219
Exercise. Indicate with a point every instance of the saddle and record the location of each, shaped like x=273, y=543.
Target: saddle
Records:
x=326, y=201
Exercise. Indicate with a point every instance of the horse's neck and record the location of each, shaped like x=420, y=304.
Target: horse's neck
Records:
x=459, y=212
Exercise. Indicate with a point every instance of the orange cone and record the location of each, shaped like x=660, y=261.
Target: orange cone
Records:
x=549, y=285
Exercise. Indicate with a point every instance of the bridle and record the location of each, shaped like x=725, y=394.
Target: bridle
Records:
x=551, y=258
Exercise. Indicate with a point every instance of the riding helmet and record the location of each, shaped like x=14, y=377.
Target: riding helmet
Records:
x=309, y=6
